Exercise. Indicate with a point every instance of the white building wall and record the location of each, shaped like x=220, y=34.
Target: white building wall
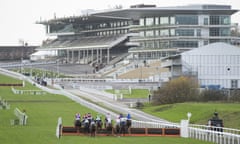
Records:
x=215, y=69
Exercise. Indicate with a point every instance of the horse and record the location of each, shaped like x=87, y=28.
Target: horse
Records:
x=117, y=128
x=86, y=126
x=77, y=125
x=123, y=128
x=128, y=124
x=99, y=125
x=109, y=127
x=92, y=129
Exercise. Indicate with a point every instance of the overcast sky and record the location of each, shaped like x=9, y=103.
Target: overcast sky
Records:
x=18, y=17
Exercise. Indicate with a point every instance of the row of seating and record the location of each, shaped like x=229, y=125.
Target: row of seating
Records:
x=69, y=130
x=83, y=41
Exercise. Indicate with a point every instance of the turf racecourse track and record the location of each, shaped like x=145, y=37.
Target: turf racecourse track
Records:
x=203, y=133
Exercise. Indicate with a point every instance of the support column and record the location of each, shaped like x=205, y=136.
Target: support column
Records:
x=79, y=55
x=97, y=56
x=84, y=56
x=72, y=56
x=92, y=55
x=87, y=57
x=108, y=56
x=101, y=58
x=67, y=56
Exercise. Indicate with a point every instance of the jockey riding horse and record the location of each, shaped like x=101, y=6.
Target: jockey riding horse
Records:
x=92, y=128
x=108, y=125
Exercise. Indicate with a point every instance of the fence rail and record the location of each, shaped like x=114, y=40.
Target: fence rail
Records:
x=22, y=117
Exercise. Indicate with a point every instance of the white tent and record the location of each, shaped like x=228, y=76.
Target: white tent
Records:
x=40, y=55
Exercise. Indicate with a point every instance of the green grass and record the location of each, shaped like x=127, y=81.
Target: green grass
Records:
x=201, y=112
x=135, y=93
x=7, y=80
x=43, y=112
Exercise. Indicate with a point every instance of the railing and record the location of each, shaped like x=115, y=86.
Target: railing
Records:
x=200, y=132
x=144, y=124
x=31, y=92
x=4, y=104
x=219, y=135
x=22, y=117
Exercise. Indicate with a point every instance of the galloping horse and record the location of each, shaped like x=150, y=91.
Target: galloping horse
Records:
x=128, y=124
x=86, y=126
x=92, y=129
x=109, y=127
x=117, y=128
x=77, y=125
x=99, y=125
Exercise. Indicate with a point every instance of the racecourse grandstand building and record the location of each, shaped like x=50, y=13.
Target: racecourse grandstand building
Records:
x=145, y=31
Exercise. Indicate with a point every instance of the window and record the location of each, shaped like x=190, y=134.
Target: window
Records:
x=187, y=19
x=224, y=20
x=149, y=44
x=164, y=32
x=234, y=84
x=205, y=21
x=185, y=44
x=142, y=22
x=156, y=32
x=172, y=20
x=156, y=20
x=185, y=32
x=198, y=32
x=164, y=20
x=172, y=32
x=149, y=21
x=225, y=32
x=141, y=34
x=214, y=20
x=214, y=32
x=149, y=33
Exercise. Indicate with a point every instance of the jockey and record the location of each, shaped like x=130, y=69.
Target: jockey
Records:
x=128, y=116
x=122, y=119
x=77, y=116
x=117, y=121
x=108, y=118
x=92, y=122
x=98, y=117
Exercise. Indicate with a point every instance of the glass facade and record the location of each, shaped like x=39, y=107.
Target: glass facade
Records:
x=185, y=44
x=149, y=21
x=185, y=32
x=186, y=19
x=219, y=31
x=219, y=20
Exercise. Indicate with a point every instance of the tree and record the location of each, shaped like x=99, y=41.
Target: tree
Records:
x=177, y=90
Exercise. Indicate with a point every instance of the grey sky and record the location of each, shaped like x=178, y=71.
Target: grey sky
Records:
x=18, y=17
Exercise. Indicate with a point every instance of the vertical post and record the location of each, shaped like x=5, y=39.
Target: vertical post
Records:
x=108, y=56
x=184, y=128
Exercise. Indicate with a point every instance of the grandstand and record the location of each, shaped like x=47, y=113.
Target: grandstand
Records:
x=143, y=31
